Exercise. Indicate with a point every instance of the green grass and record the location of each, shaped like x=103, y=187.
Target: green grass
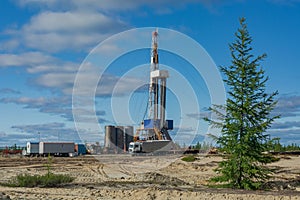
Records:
x=48, y=180
x=189, y=158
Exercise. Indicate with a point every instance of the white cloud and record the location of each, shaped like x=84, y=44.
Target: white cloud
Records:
x=69, y=22
x=60, y=106
x=57, y=75
x=286, y=125
x=287, y=106
x=9, y=91
x=2, y=134
x=48, y=131
x=115, y=5
x=9, y=45
x=75, y=25
x=199, y=115
x=63, y=81
x=107, y=85
x=24, y=59
x=30, y=102
x=72, y=30
x=53, y=67
x=107, y=49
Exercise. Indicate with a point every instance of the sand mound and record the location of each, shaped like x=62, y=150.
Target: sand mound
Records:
x=157, y=178
x=3, y=196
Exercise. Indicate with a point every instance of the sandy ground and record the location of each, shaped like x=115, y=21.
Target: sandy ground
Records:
x=151, y=177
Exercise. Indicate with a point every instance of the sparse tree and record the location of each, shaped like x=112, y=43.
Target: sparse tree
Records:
x=198, y=145
x=246, y=117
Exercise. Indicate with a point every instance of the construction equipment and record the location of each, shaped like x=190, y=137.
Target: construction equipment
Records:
x=153, y=133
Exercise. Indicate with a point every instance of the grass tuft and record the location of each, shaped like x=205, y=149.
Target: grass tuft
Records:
x=48, y=180
x=189, y=158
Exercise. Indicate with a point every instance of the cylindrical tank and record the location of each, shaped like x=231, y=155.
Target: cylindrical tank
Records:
x=110, y=137
x=120, y=138
x=128, y=135
x=117, y=138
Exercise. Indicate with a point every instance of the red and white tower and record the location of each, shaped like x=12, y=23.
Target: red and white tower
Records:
x=156, y=125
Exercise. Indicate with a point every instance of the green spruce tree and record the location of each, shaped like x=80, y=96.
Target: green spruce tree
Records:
x=246, y=119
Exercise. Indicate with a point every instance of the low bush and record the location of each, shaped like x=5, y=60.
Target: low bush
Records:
x=48, y=180
x=189, y=158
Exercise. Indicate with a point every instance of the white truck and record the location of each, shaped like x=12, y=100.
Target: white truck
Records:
x=32, y=149
x=150, y=146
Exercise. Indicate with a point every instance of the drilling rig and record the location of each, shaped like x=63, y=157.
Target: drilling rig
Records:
x=153, y=135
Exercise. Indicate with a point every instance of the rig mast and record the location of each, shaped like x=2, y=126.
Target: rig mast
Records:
x=156, y=126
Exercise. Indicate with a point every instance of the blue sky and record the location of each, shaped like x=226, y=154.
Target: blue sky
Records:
x=44, y=43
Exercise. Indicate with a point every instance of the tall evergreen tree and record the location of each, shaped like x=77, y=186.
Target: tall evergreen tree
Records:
x=246, y=119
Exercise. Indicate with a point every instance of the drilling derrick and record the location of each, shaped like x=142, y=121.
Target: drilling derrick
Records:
x=156, y=126
x=153, y=86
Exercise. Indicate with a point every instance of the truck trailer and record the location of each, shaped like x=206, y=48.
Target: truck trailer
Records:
x=56, y=148
x=150, y=146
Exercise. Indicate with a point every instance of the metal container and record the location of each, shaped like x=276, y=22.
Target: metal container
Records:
x=155, y=145
x=80, y=149
x=150, y=123
x=56, y=148
x=169, y=124
x=110, y=137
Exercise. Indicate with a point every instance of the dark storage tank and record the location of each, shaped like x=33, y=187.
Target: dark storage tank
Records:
x=117, y=138
x=129, y=135
x=120, y=138
x=110, y=137
x=124, y=137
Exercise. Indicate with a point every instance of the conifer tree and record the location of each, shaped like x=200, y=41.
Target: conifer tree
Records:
x=247, y=117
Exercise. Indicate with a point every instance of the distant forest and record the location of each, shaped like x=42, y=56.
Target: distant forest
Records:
x=274, y=145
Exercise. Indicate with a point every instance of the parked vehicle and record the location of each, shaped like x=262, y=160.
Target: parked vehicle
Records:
x=56, y=148
x=80, y=149
x=32, y=149
x=150, y=146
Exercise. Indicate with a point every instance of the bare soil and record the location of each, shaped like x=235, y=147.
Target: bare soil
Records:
x=148, y=177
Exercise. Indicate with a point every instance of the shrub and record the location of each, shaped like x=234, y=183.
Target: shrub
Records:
x=48, y=180
x=189, y=158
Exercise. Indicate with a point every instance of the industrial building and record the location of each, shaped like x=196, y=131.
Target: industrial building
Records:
x=117, y=138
